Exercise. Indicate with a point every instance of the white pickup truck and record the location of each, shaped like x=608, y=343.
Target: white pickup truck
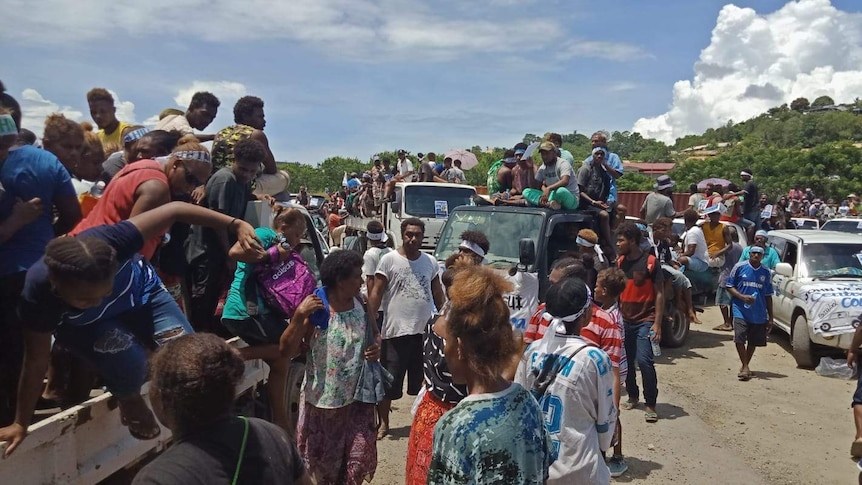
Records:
x=430, y=202
x=818, y=290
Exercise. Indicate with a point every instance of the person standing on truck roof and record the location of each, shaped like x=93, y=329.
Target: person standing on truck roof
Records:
x=195, y=379
x=559, y=183
x=659, y=202
x=642, y=308
x=426, y=168
x=409, y=276
x=100, y=298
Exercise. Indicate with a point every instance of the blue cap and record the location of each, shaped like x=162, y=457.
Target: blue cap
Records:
x=756, y=249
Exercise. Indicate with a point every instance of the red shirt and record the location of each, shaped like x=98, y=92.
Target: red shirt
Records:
x=117, y=202
x=603, y=332
x=536, y=326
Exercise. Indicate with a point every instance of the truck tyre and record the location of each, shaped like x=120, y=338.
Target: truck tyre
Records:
x=674, y=332
x=293, y=392
x=803, y=349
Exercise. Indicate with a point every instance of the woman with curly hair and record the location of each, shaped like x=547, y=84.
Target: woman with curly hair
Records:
x=336, y=433
x=192, y=392
x=478, y=344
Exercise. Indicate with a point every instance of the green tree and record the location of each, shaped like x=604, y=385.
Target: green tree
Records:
x=800, y=104
x=822, y=101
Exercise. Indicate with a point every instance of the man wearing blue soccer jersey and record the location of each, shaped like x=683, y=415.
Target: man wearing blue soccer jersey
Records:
x=750, y=288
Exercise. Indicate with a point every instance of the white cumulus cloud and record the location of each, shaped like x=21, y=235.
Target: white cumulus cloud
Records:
x=352, y=29
x=35, y=108
x=807, y=48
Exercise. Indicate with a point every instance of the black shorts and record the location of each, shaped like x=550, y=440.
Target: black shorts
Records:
x=400, y=356
x=751, y=333
x=258, y=330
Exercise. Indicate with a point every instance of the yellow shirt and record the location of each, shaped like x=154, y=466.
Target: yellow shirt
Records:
x=113, y=138
x=714, y=237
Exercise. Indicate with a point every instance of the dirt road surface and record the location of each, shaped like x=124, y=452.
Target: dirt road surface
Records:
x=785, y=426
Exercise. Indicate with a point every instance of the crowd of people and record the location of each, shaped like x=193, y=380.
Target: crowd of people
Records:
x=125, y=256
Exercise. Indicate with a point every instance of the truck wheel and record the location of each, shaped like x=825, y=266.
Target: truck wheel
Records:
x=293, y=392
x=674, y=332
x=803, y=349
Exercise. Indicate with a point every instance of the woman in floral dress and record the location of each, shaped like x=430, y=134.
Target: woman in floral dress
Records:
x=336, y=435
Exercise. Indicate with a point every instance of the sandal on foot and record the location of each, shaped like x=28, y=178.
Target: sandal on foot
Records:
x=723, y=328
x=142, y=427
x=856, y=449
x=651, y=417
x=382, y=433
x=629, y=405
x=744, y=376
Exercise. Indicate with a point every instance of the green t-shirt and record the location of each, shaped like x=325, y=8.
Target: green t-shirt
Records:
x=234, y=305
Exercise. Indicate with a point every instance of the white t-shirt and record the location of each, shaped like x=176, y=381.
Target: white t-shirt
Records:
x=175, y=123
x=695, y=236
x=405, y=167
x=409, y=288
x=552, y=175
x=370, y=260
x=579, y=406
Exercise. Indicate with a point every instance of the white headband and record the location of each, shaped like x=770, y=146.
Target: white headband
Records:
x=583, y=242
x=198, y=155
x=376, y=236
x=7, y=125
x=472, y=247
x=559, y=324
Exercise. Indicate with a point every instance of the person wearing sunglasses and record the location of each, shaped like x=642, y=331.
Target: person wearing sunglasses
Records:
x=147, y=184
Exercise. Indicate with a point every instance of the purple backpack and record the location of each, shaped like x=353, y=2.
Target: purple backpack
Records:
x=284, y=284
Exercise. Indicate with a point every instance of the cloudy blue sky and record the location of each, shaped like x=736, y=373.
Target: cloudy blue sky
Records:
x=352, y=77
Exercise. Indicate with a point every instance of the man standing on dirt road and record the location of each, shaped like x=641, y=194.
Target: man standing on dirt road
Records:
x=750, y=288
x=642, y=308
x=409, y=276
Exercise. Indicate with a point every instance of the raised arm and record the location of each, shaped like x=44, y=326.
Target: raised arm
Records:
x=157, y=221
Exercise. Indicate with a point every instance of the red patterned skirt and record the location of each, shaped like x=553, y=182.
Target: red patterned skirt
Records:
x=339, y=445
x=422, y=438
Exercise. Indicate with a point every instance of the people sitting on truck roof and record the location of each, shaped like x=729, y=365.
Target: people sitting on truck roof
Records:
x=557, y=140
x=559, y=182
x=499, y=181
x=192, y=391
x=523, y=173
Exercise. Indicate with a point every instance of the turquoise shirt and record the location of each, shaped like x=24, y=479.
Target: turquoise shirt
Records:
x=234, y=305
x=770, y=257
x=492, y=438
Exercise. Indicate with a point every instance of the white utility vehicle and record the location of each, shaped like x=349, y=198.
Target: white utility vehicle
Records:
x=818, y=290
x=429, y=201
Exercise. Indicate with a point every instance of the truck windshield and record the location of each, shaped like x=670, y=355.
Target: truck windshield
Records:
x=833, y=259
x=504, y=231
x=851, y=226
x=427, y=200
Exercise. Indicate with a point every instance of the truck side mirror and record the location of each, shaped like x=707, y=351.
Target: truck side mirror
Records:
x=395, y=206
x=526, y=252
x=784, y=269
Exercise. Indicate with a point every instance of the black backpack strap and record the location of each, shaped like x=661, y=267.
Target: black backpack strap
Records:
x=549, y=373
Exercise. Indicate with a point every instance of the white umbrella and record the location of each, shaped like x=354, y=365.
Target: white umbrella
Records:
x=468, y=160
